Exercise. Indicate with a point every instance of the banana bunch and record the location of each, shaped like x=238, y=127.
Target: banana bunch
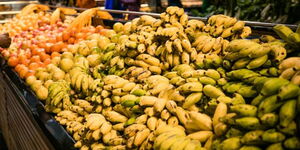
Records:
x=247, y=91
x=174, y=138
x=208, y=61
x=226, y=27
x=73, y=122
x=249, y=54
x=289, y=69
x=58, y=97
x=285, y=33
x=208, y=44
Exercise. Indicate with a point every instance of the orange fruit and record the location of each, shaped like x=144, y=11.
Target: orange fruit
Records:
x=19, y=67
x=33, y=66
x=35, y=58
x=30, y=73
x=66, y=36
x=13, y=61
x=54, y=54
x=71, y=40
x=23, y=72
x=47, y=61
x=44, y=56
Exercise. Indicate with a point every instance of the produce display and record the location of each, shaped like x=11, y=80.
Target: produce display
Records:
x=166, y=83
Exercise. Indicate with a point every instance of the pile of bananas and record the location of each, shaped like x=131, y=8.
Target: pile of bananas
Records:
x=289, y=69
x=226, y=27
x=248, y=54
x=173, y=83
x=286, y=34
x=267, y=121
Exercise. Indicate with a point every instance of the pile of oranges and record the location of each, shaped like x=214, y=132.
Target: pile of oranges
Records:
x=35, y=47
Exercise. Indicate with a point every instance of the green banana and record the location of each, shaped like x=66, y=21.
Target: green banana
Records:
x=287, y=113
x=191, y=87
x=237, y=99
x=233, y=143
x=232, y=87
x=247, y=91
x=288, y=91
x=253, y=137
x=257, y=62
x=269, y=119
x=292, y=143
x=207, y=80
x=272, y=86
x=212, y=91
x=233, y=132
x=275, y=146
x=250, y=123
x=244, y=110
x=257, y=100
x=191, y=100
x=214, y=74
x=241, y=63
x=291, y=129
x=269, y=105
x=273, y=136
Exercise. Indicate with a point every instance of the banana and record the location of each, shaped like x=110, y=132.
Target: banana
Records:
x=287, y=113
x=296, y=78
x=207, y=80
x=194, y=144
x=201, y=136
x=253, y=137
x=250, y=123
x=273, y=136
x=227, y=32
x=277, y=146
x=218, y=31
x=208, y=45
x=279, y=53
x=185, y=58
x=212, y=91
x=141, y=136
x=212, y=74
x=272, y=86
x=180, y=143
x=252, y=51
x=268, y=105
x=230, y=22
x=221, y=111
x=202, y=121
x=162, y=138
x=269, y=119
x=58, y=98
x=245, y=32
x=244, y=110
x=168, y=46
x=191, y=100
x=292, y=143
x=289, y=63
x=238, y=26
x=186, y=45
x=288, y=73
x=231, y=143
x=241, y=63
x=190, y=87
x=149, y=59
x=288, y=91
x=247, y=91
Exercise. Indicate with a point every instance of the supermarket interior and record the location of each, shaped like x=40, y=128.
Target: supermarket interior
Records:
x=149, y=74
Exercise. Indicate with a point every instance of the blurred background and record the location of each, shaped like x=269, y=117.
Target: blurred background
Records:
x=276, y=11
